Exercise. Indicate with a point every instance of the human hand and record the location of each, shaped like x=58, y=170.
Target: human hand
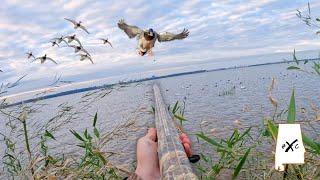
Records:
x=147, y=155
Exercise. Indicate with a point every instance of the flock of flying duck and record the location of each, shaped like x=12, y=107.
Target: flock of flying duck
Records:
x=146, y=40
x=71, y=41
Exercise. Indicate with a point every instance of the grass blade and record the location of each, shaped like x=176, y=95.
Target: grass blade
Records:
x=295, y=57
x=175, y=108
x=179, y=117
x=76, y=135
x=48, y=134
x=292, y=109
x=209, y=140
x=245, y=133
x=95, y=119
x=241, y=163
x=104, y=161
x=96, y=132
x=272, y=128
x=309, y=142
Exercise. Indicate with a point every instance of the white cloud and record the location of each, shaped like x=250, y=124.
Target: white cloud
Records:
x=217, y=29
x=73, y=4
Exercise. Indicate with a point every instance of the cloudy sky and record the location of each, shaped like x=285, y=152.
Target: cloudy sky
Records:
x=218, y=29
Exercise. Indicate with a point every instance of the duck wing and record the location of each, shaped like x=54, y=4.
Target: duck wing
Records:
x=167, y=36
x=38, y=58
x=85, y=51
x=52, y=60
x=104, y=40
x=65, y=41
x=30, y=55
x=55, y=39
x=75, y=48
x=76, y=39
x=59, y=40
x=68, y=38
x=54, y=43
x=131, y=31
x=90, y=59
x=110, y=44
x=72, y=21
x=84, y=28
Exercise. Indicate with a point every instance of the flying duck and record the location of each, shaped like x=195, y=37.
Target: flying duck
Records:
x=44, y=58
x=73, y=38
x=30, y=54
x=105, y=41
x=79, y=48
x=59, y=40
x=54, y=43
x=147, y=38
x=84, y=57
x=77, y=25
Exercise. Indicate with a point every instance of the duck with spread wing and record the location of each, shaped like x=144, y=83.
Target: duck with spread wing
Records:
x=147, y=38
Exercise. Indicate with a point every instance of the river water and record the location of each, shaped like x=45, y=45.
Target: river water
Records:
x=214, y=99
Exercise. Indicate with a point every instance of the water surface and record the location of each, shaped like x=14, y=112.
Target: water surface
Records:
x=124, y=110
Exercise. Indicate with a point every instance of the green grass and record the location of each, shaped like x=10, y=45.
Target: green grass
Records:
x=92, y=163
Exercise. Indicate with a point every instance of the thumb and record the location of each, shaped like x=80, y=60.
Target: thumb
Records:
x=152, y=134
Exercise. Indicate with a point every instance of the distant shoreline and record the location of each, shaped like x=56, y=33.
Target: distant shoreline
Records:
x=80, y=90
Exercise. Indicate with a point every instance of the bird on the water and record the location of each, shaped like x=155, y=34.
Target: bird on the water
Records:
x=147, y=38
x=77, y=25
x=106, y=41
x=45, y=58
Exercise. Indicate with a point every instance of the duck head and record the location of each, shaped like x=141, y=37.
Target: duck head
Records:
x=149, y=35
x=150, y=32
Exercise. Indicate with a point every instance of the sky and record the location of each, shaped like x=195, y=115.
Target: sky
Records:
x=218, y=29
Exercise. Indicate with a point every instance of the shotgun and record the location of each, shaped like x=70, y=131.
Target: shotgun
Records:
x=173, y=161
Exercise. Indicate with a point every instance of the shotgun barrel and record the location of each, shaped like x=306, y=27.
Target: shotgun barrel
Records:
x=173, y=160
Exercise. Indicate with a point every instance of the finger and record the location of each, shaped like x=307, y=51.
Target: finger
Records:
x=182, y=136
x=186, y=140
x=187, y=149
x=152, y=134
